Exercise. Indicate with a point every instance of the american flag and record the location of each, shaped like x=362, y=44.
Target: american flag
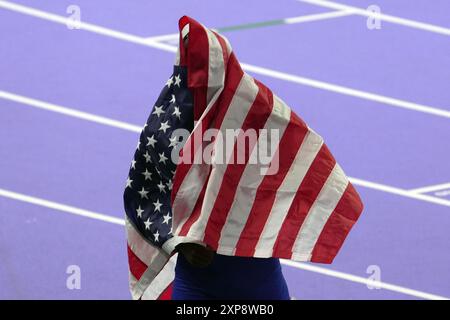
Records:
x=299, y=206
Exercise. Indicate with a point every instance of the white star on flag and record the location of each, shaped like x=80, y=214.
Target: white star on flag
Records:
x=157, y=205
x=143, y=193
x=147, y=224
x=173, y=141
x=167, y=218
x=177, y=80
x=164, y=126
x=161, y=187
x=169, y=82
x=162, y=158
x=158, y=111
x=129, y=181
x=147, y=175
x=139, y=212
x=151, y=141
x=147, y=157
x=177, y=112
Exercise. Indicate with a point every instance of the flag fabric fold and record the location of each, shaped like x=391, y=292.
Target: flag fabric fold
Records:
x=282, y=195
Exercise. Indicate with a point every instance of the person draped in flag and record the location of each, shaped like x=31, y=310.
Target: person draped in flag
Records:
x=214, y=228
x=200, y=273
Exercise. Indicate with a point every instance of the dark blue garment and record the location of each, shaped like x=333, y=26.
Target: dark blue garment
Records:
x=229, y=277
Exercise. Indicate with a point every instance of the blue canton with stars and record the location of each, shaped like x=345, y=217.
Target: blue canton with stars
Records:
x=149, y=182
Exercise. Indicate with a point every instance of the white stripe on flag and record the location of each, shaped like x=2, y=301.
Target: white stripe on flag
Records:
x=162, y=280
x=286, y=193
x=153, y=271
x=251, y=179
x=318, y=215
x=132, y=284
x=184, y=32
x=216, y=67
x=188, y=193
x=234, y=118
x=228, y=45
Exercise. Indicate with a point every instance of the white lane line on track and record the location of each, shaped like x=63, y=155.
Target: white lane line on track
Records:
x=85, y=26
x=384, y=17
x=361, y=280
x=432, y=188
x=399, y=192
x=298, y=265
x=134, y=128
x=68, y=111
x=248, y=67
x=318, y=16
x=348, y=91
x=60, y=207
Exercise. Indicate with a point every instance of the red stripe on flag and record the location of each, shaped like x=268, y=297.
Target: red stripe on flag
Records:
x=137, y=267
x=265, y=196
x=255, y=119
x=198, y=63
x=338, y=226
x=307, y=193
x=167, y=293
